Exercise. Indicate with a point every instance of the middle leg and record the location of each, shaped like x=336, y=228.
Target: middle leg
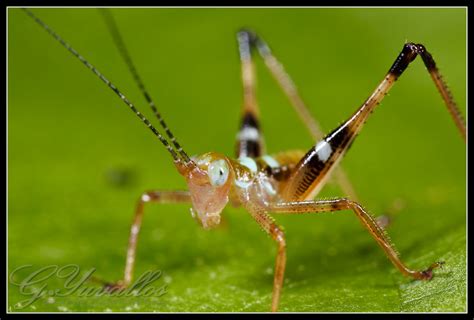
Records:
x=367, y=221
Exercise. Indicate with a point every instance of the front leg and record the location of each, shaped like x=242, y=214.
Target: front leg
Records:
x=368, y=222
x=151, y=196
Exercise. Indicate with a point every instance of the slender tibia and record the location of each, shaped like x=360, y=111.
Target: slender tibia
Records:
x=409, y=53
x=277, y=234
x=367, y=221
x=443, y=89
x=280, y=264
x=151, y=196
x=286, y=84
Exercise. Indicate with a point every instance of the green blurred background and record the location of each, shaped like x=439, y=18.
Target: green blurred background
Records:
x=78, y=159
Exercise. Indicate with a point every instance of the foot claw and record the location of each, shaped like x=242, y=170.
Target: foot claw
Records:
x=428, y=273
x=113, y=287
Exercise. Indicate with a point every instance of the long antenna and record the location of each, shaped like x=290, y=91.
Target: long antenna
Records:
x=107, y=82
x=117, y=37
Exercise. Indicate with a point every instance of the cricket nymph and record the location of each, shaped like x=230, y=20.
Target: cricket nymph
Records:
x=285, y=183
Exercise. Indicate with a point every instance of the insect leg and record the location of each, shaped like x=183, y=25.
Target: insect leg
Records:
x=368, y=222
x=150, y=196
x=250, y=141
x=289, y=88
x=441, y=86
x=285, y=82
x=267, y=223
x=310, y=173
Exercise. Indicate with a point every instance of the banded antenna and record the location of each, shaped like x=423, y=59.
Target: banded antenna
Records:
x=162, y=139
x=118, y=39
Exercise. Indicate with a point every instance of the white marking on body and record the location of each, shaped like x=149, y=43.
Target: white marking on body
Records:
x=146, y=198
x=248, y=133
x=321, y=183
x=249, y=163
x=242, y=184
x=323, y=150
x=269, y=187
x=270, y=161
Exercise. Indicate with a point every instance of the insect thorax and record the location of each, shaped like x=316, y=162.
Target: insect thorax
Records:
x=260, y=180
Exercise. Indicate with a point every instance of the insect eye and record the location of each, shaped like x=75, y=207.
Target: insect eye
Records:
x=218, y=172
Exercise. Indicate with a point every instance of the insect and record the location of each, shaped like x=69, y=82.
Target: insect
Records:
x=282, y=183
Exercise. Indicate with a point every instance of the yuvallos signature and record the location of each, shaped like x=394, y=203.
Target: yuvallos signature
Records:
x=35, y=284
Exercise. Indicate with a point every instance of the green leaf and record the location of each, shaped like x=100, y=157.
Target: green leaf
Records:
x=78, y=159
